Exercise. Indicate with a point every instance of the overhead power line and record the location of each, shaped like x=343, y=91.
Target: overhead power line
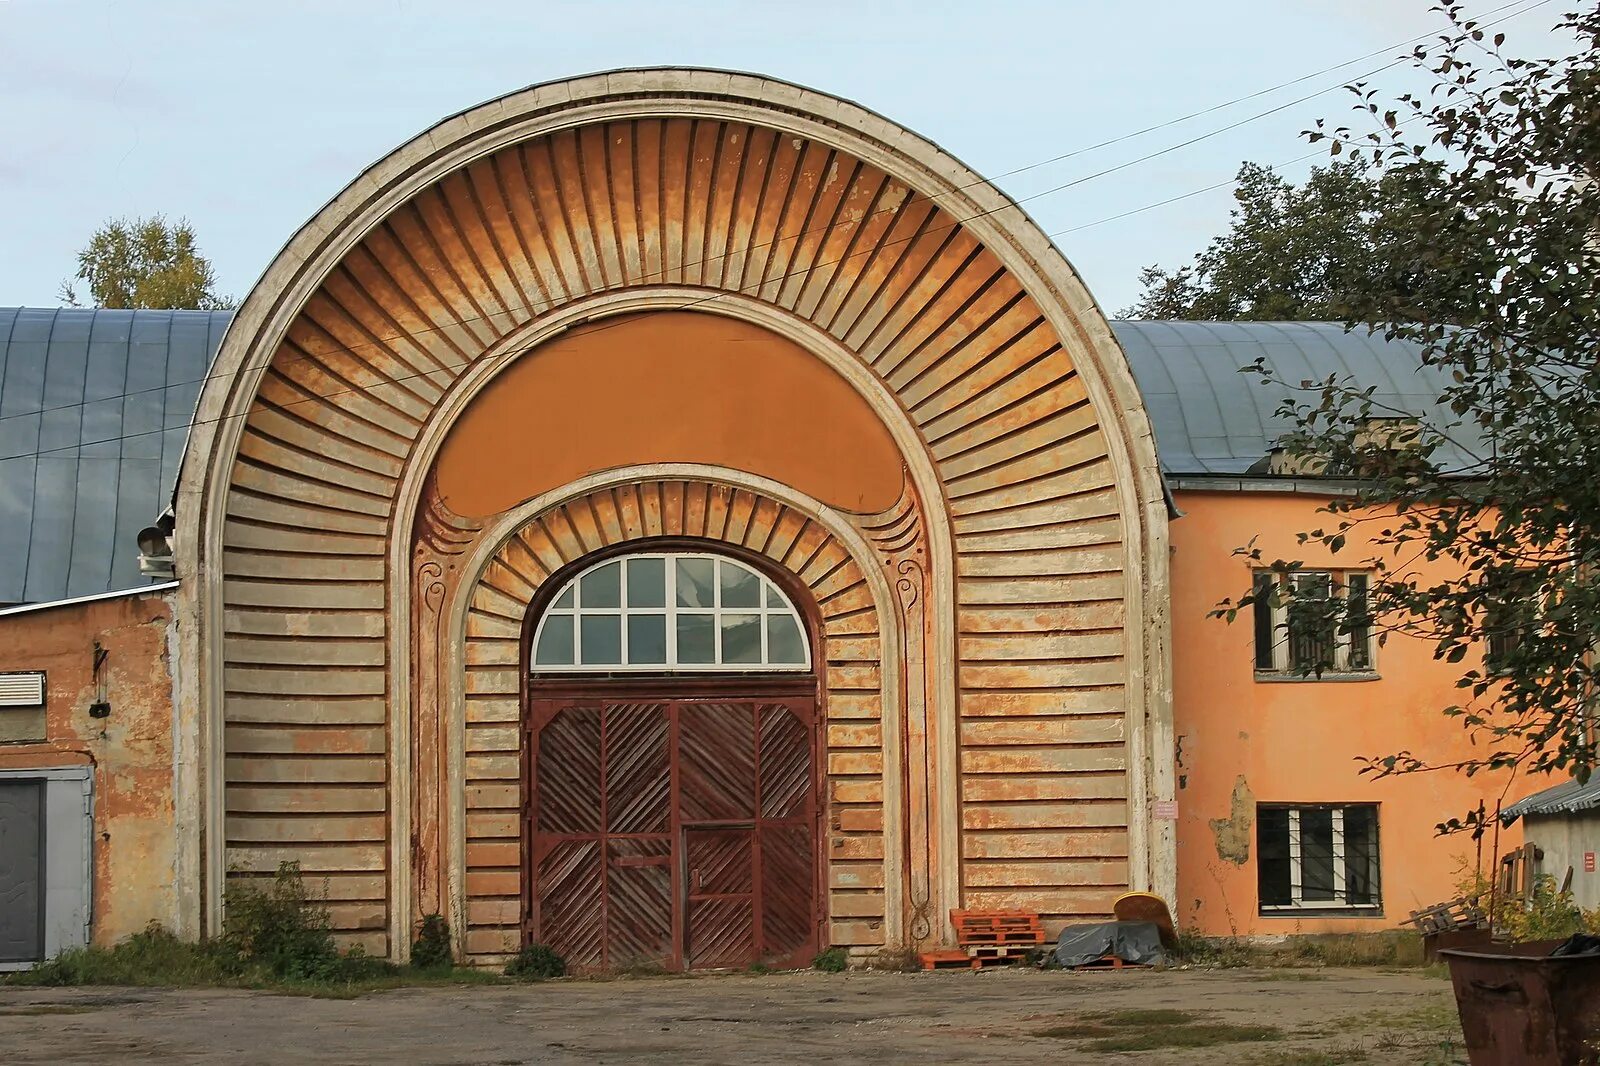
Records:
x=953, y=224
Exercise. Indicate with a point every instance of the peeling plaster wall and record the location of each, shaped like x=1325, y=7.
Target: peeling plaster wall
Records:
x=1243, y=742
x=130, y=750
x=1233, y=832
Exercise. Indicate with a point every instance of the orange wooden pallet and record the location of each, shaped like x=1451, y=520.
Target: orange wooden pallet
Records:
x=960, y=960
x=997, y=927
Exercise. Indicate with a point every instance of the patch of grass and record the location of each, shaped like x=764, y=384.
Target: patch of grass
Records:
x=1433, y=1017
x=401, y=977
x=1358, y=949
x=831, y=960
x=1123, y=1019
x=277, y=936
x=1148, y=1030
x=152, y=958
x=1185, y=1036
x=1394, y=950
x=1222, y=953
x=156, y=958
x=1322, y=1057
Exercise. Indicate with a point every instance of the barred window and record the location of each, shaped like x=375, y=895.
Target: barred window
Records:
x=1317, y=857
x=1512, y=608
x=1312, y=622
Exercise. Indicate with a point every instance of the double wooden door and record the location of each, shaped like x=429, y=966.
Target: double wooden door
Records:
x=678, y=832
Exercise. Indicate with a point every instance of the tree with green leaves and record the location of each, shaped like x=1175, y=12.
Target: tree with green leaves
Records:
x=1291, y=252
x=1495, y=275
x=146, y=262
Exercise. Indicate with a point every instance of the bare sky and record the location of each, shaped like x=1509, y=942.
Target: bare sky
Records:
x=246, y=117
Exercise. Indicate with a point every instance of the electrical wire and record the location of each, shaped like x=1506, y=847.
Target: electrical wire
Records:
x=953, y=224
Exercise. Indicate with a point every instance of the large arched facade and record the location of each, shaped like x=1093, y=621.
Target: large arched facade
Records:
x=863, y=365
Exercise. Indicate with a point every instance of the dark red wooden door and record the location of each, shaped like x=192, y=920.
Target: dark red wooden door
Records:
x=677, y=831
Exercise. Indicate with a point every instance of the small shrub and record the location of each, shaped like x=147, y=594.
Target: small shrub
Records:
x=832, y=960
x=432, y=949
x=1546, y=914
x=536, y=963
x=282, y=926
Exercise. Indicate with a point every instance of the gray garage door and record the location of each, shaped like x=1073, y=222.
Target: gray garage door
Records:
x=21, y=870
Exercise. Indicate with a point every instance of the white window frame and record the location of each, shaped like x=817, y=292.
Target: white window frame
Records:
x=1338, y=581
x=671, y=610
x=1341, y=888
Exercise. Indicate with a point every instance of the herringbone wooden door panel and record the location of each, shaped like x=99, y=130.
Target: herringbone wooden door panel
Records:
x=716, y=761
x=678, y=831
x=638, y=769
x=568, y=888
x=569, y=772
x=639, y=900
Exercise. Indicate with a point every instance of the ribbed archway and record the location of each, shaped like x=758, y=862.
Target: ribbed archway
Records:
x=847, y=654
x=1042, y=666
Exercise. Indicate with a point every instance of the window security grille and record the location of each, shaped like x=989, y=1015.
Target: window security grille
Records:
x=1319, y=623
x=1317, y=858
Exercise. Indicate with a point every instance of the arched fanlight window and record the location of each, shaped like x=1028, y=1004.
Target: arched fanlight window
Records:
x=670, y=611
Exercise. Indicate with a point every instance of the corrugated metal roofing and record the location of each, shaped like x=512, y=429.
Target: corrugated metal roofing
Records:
x=1565, y=798
x=95, y=406
x=1210, y=419
x=94, y=409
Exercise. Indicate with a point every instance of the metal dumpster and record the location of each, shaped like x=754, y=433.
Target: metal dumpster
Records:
x=1521, y=1007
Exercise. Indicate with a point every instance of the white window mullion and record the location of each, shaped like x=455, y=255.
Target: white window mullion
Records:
x=670, y=608
x=761, y=620
x=1296, y=873
x=1341, y=894
x=1341, y=636
x=1280, y=632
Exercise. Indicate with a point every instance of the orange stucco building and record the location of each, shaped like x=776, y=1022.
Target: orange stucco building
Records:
x=1247, y=739
x=680, y=515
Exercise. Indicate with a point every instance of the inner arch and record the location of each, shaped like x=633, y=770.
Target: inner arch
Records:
x=670, y=387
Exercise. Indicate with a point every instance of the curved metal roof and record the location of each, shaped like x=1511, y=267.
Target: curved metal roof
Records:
x=1210, y=419
x=94, y=409
x=95, y=406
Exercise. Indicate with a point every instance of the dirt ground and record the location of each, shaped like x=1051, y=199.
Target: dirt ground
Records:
x=1246, y=1017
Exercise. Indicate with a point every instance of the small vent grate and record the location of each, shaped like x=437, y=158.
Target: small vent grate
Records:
x=22, y=690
